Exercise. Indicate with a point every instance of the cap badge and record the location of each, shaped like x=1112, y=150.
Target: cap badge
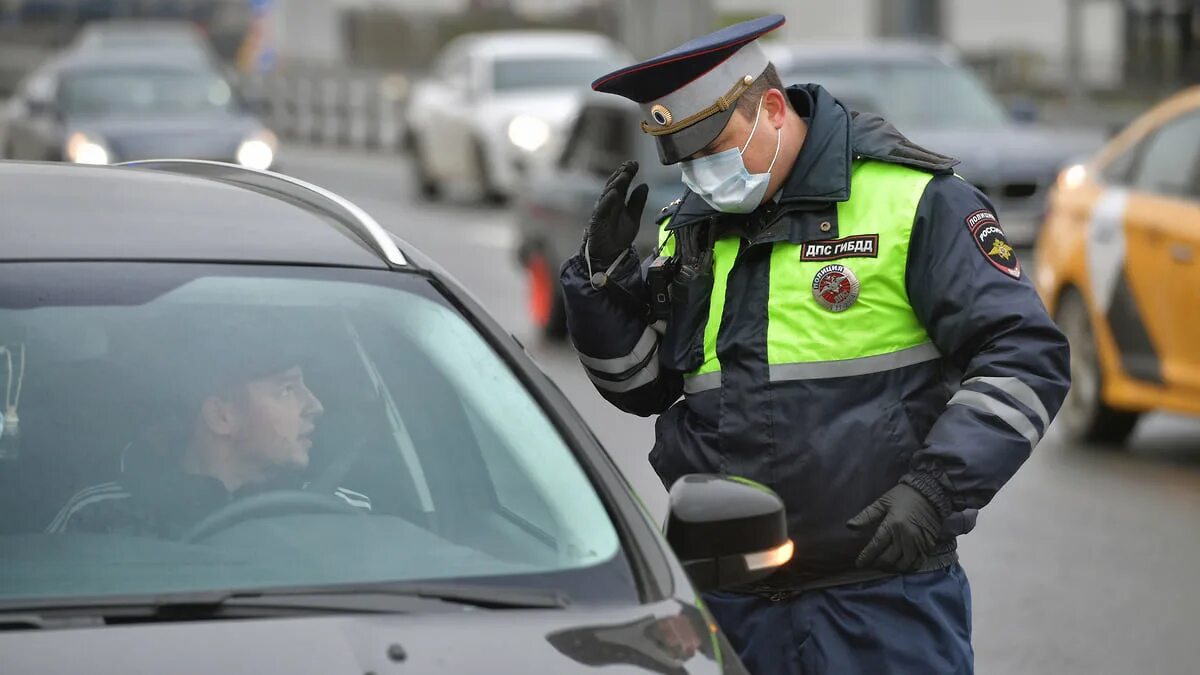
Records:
x=661, y=115
x=667, y=124
x=835, y=287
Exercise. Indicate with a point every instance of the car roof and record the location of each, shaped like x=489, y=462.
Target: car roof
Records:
x=532, y=42
x=184, y=210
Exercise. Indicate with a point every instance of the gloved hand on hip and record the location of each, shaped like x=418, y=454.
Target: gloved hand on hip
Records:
x=614, y=224
x=906, y=531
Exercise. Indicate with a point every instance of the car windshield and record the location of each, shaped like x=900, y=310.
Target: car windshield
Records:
x=541, y=72
x=909, y=94
x=187, y=428
x=144, y=91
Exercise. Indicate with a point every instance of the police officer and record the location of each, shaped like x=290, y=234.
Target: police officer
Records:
x=845, y=322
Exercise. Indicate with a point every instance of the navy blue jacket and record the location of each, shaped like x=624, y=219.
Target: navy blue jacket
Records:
x=956, y=428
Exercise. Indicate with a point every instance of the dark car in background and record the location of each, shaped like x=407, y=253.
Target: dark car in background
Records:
x=939, y=103
x=97, y=105
x=499, y=536
x=552, y=209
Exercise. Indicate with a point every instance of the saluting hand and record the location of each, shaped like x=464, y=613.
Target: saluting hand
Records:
x=614, y=224
x=908, y=525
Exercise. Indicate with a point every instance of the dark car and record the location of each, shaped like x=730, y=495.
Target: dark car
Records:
x=552, y=210
x=935, y=100
x=103, y=106
x=452, y=513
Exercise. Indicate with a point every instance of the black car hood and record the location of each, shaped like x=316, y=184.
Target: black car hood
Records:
x=1011, y=152
x=667, y=637
x=194, y=137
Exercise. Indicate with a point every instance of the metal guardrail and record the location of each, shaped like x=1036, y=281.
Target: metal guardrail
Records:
x=358, y=109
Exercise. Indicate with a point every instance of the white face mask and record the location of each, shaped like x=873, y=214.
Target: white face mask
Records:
x=723, y=181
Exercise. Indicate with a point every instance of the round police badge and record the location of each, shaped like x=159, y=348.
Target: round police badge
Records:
x=835, y=287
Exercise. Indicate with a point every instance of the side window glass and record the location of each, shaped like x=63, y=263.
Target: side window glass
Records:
x=611, y=142
x=578, y=146
x=1120, y=170
x=1170, y=157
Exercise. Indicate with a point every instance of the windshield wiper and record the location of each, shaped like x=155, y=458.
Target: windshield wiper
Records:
x=487, y=597
x=382, y=598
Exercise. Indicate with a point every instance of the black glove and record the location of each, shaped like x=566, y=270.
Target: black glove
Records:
x=908, y=529
x=614, y=224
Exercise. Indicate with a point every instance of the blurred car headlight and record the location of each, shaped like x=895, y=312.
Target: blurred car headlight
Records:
x=1072, y=177
x=258, y=151
x=528, y=132
x=85, y=149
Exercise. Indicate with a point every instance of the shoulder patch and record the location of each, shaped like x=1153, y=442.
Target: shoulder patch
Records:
x=992, y=242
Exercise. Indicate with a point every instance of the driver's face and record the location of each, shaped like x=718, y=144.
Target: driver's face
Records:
x=276, y=420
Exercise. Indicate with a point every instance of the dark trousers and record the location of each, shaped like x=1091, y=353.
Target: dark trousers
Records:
x=915, y=623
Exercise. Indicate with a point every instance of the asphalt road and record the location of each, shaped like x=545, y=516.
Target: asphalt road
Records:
x=1087, y=562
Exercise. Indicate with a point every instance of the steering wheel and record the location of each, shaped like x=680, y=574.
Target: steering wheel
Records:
x=267, y=505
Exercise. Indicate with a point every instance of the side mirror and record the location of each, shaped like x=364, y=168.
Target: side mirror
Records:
x=727, y=531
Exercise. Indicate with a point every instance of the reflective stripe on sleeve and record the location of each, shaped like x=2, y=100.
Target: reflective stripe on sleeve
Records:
x=1023, y=393
x=619, y=364
x=641, y=378
x=1008, y=414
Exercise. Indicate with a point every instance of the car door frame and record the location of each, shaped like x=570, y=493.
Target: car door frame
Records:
x=1162, y=259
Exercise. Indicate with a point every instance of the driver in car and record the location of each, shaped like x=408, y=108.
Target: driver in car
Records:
x=244, y=426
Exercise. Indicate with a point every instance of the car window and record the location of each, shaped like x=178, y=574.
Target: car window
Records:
x=1169, y=159
x=1120, y=169
x=600, y=140
x=102, y=92
x=179, y=428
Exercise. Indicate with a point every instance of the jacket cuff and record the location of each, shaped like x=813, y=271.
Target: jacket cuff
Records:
x=930, y=488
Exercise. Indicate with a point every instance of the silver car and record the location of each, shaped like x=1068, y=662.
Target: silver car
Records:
x=495, y=104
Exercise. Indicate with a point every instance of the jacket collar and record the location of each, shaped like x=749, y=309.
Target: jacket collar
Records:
x=822, y=169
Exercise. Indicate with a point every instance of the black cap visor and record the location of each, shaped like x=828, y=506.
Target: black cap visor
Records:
x=676, y=147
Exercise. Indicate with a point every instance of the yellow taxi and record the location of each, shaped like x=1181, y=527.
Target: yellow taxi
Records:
x=1118, y=265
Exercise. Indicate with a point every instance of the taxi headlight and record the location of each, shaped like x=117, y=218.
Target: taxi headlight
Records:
x=1072, y=177
x=84, y=149
x=258, y=151
x=528, y=132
